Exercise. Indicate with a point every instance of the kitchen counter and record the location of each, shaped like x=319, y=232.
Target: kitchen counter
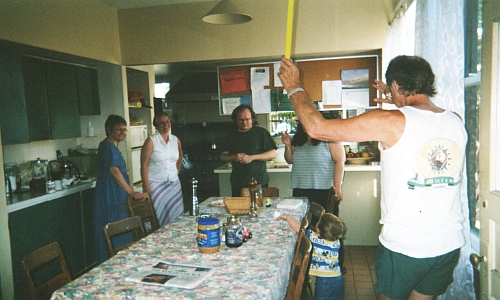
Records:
x=284, y=168
x=26, y=199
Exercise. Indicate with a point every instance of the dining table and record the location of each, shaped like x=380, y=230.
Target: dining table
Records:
x=258, y=269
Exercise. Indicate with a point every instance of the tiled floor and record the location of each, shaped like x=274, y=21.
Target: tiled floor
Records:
x=360, y=277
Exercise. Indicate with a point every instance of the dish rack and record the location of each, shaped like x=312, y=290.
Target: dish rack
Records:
x=237, y=205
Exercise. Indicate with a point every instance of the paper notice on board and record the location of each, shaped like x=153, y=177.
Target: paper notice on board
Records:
x=229, y=104
x=277, y=80
x=332, y=92
x=261, y=97
x=233, y=82
x=352, y=98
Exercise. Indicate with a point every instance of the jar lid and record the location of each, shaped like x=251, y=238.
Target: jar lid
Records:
x=208, y=221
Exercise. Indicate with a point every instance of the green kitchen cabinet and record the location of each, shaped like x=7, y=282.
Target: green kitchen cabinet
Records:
x=42, y=98
x=18, y=117
x=62, y=94
x=36, y=99
x=67, y=220
x=88, y=91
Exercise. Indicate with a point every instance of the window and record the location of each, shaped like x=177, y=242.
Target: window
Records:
x=161, y=89
x=473, y=39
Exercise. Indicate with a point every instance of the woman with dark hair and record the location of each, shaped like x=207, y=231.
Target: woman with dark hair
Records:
x=317, y=166
x=161, y=160
x=112, y=186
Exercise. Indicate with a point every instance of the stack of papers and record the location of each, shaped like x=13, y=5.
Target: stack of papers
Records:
x=289, y=203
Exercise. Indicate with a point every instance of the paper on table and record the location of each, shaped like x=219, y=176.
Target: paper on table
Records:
x=174, y=275
x=289, y=203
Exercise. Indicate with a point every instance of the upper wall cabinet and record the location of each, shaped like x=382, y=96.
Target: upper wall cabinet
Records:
x=88, y=91
x=62, y=94
x=44, y=99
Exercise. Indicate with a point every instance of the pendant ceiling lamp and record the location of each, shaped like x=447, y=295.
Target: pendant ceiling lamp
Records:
x=226, y=13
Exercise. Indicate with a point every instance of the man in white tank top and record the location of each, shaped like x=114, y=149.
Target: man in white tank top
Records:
x=422, y=160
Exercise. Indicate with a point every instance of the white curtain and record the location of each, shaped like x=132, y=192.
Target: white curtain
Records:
x=400, y=38
x=439, y=38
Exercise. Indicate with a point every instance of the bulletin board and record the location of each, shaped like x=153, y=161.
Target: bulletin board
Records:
x=314, y=72
x=237, y=84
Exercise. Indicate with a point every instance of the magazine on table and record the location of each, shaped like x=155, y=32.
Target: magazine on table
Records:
x=174, y=275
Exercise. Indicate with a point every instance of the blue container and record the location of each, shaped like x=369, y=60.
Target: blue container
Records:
x=208, y=235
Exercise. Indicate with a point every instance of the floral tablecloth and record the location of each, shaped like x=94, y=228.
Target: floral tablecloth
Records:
x=259, y=269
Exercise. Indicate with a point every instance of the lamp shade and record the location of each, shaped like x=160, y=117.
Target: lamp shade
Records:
x=226, y=13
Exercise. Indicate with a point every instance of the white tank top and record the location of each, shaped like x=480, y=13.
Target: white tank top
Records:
x=421, y=176
x=162, y=163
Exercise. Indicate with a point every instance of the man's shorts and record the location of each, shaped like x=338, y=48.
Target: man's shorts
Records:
x=398, y=274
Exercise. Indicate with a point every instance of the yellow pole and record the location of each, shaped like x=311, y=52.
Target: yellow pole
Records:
x=289, y=27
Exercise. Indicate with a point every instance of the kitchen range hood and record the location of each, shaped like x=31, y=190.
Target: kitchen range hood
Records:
x=195, y=87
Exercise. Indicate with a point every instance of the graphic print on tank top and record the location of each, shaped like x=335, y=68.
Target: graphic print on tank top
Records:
x=438, y=164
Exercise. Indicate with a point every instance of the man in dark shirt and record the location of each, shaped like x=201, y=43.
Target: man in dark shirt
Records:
x=248, y=148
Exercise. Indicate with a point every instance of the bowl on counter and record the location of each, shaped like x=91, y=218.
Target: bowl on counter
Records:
x=358, y=160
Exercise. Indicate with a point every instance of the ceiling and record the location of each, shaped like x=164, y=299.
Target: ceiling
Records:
x=124, y=4
x=171, y=70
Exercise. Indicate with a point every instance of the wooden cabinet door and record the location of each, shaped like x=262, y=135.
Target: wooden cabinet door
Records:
x=13, y=116
x=63, y=101
x=88, y=91
x=35, y=95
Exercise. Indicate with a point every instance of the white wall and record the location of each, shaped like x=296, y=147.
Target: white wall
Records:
x=176, y=33
x=85, y=28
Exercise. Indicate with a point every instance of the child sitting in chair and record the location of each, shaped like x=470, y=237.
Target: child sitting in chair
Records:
x=325, y=256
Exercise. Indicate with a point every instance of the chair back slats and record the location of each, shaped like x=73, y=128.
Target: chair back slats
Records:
x=145, y=210
x=299, y=270
x=132, y=224
x=36, y=261
x=314, y=213
x=266, y=192
x=332, y=197
x=302, y=231
x=270, y=192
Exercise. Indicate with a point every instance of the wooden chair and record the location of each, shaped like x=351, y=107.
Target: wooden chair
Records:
x=39, y=262
x=113, y=229
x=314, y=213
x=299, y=270
x=266, y=192
x=302, y=231
x=270, y=192
x=332, y=206
x=145, y=210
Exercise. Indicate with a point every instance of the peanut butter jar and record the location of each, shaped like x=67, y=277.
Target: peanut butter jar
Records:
x=208, y=235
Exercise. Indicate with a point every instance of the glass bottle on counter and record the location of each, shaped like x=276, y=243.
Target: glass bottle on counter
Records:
x=253, y=198
x=195, y=209
x=39, y=173
x=13, y=176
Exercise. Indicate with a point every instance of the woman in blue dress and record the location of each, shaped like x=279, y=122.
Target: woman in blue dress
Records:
x=112, y=187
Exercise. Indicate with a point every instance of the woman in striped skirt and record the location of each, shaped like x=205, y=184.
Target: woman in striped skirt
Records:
x=161, y=160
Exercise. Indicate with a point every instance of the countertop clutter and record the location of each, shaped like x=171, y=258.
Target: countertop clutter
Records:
x=281, y=168
x=21, y=200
